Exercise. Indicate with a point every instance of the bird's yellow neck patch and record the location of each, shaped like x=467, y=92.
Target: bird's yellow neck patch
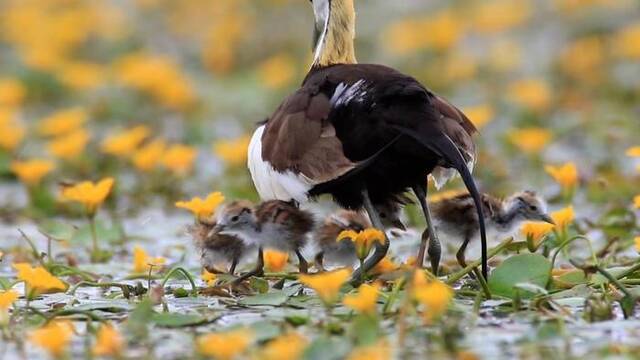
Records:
x=338, y=47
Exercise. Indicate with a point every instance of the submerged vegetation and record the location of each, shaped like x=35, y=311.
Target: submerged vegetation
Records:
x=114, y=113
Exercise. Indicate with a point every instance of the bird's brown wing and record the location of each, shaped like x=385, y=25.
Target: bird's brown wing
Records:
x=299, y=137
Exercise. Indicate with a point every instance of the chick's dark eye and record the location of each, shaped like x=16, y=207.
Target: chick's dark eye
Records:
x=533, y=208
x=383, y=215
x=235, y=218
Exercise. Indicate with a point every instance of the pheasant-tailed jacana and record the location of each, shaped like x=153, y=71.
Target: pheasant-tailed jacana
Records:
x=363, y=133
x=456, y=217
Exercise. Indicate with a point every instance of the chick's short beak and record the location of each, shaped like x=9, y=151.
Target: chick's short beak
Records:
x=217, y=229
x=399, y=225
x=548, y=219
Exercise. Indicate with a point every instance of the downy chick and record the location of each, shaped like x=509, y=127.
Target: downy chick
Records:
x=456, y=216
x=272, y=224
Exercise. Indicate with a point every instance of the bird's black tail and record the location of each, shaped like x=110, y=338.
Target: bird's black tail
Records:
x=442, y=145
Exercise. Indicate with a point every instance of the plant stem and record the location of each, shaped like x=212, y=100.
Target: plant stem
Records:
x=183, y=272
x=94, y=236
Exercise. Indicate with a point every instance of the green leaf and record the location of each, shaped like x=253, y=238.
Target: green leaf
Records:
x=57, y=230
x=174, y=320
x=325, y=348
x=105, y=234
x=525, y=268
x=139, y=319
x=366, y=330
x=273, y=298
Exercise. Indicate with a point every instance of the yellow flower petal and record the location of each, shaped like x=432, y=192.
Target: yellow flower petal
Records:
x=126, y=142
x=365, y=300
x=53, y=337
x=32, y=171
x=225, y=346
x=62, y=122
x=89, y=194
x=109, y=342
x=275, y=261
x=202, y=209
x=563, y=217
x=565, y=175
x=7, y=298
x=530, y=140
x=327, y=285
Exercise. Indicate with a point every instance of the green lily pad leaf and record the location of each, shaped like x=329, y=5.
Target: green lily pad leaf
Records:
x=57, y=230
x=273, y=298
x=113, y=306
x=318, y=349
x=525, y=268
x=570, y=279
x=265, y=330
x=175, y=320
x=105, y=234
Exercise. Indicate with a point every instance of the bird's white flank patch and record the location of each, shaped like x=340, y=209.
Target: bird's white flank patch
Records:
x=271, y=184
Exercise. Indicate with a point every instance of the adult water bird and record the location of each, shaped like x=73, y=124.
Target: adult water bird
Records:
x=363, y=133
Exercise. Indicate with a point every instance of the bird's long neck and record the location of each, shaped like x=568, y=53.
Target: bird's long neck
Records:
x=336, y=42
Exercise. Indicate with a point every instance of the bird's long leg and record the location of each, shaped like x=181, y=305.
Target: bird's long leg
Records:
x=429, y=234
x=460, y=255
x=303, y=266
x=320, y=261
x=232, y=268
x=257, y=271
x=381, y=249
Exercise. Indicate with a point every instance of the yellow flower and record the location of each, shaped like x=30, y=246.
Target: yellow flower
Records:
x=7, y=298
x=12, y=132
x=70, y=146
x=285, y=347
x=209, y=278
x=275, y=261
x=225, y=346
x=82, y=75
x=378, y=351
x=530, y=140
x=12, y=93
x=364, y=240
x=365, y=300
x=533, y=94
x=625, y=42
x=126, y=142
x=636, y=242
x=38, y=279
x=203, y=209
x=563, y=217
x=109, y=341
x=158, y=76
x=327, y=285
x=277, y=71
x=179, y=158
x=147, y=157
x=62, y=122
x=582, y=59
x=53, y=337
x=505, y=56
x=385, y=265
x=142, y=262
x=479, y=115
x=232, y=152
x=439, y=32
x=500, y=15
x=32, y=171
x=435, y=296
x=633, y=151
x=535, y=232
x=89, y=194
x=636, y=202
x=565, y=175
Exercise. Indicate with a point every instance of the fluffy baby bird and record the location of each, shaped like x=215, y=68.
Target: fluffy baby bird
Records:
x=273, y=224
x=216, y=248
x=456, y=216
x=344, y=252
